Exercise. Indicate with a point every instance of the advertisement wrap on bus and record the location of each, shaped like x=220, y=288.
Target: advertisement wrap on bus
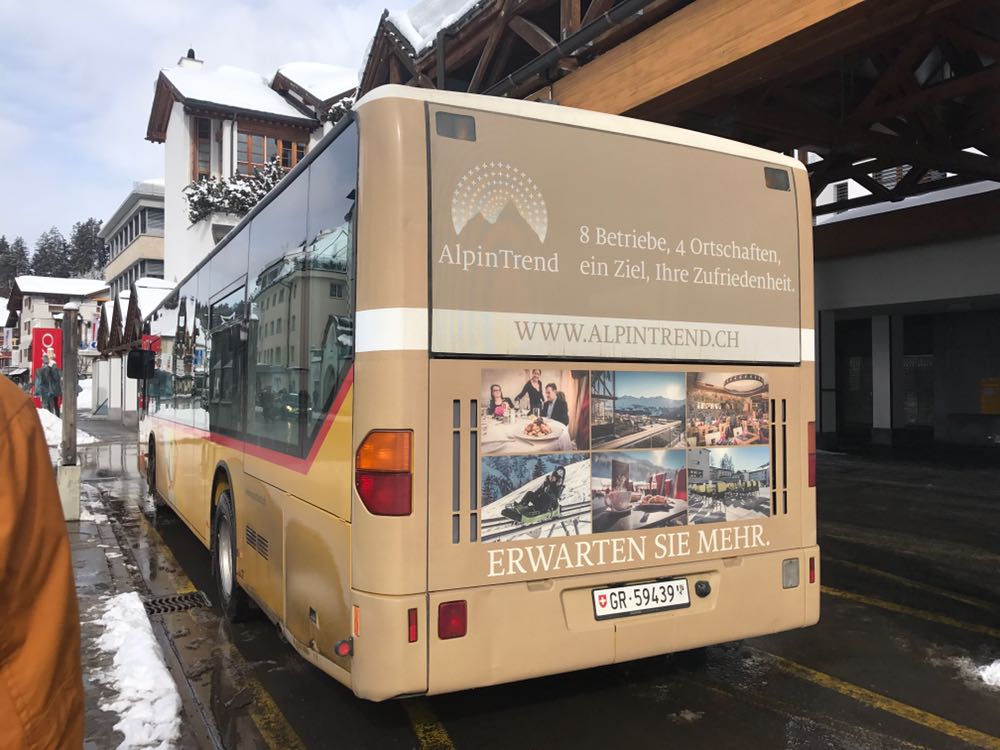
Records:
x=490, y=389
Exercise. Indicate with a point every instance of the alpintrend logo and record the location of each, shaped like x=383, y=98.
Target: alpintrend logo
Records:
x=487, y=189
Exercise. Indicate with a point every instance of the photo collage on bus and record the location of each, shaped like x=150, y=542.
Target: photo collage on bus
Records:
x=568, y=452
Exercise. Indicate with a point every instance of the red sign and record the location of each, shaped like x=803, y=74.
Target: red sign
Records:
x=152, y=343
x=44, y=341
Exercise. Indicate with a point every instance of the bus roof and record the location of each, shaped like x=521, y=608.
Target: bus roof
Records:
x=581, y=118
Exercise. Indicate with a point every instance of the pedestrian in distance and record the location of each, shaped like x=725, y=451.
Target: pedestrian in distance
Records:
x=41, y=689
x=48, y=384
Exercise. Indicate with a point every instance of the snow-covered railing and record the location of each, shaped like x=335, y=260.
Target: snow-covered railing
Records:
x=234, y=195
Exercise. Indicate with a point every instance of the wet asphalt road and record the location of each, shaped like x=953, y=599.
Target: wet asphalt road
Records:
x=911, y=604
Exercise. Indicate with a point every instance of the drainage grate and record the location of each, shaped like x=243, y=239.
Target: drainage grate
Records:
x=176, y=603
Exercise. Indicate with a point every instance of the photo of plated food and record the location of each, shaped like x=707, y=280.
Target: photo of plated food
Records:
x=638, y=490
x=534, y=410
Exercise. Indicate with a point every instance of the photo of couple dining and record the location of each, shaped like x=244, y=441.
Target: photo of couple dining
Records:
x=534, y=410
x=727, y=408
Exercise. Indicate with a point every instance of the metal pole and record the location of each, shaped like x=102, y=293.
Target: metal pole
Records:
x=70, y=354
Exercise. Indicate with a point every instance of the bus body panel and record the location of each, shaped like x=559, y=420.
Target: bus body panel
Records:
x=459, y=562
x=317, y=552
x=391, y=374
x=517, y=631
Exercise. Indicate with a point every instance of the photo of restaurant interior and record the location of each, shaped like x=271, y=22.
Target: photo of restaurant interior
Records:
x=725, y=408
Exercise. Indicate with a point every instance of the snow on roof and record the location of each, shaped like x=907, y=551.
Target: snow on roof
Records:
x=421, y=23
x=319, y=79
x=55, y=285
x=230, y=86
x=151, y=293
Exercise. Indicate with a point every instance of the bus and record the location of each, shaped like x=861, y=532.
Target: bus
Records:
x=488, y=389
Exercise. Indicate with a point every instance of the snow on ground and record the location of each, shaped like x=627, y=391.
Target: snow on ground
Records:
x=53, y=427
x=91, y=508
x=147, y=701
x=84, y=399
x=990, y=674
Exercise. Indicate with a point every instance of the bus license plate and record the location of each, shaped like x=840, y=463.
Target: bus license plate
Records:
x=639, y=598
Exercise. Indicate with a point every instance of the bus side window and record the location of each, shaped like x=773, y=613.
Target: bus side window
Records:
x=330, y=258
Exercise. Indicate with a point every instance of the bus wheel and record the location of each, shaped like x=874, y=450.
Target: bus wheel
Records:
x=233, y=600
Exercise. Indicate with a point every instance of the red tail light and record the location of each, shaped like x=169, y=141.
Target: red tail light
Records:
x=811, y=432
x=411, y=625
x=452, y=620
x=382, y=476
x=812, y=570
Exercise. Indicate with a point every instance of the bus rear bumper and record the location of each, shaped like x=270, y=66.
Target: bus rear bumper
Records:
x=529, y=629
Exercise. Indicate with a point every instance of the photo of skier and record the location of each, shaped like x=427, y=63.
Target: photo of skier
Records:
x=535, y=497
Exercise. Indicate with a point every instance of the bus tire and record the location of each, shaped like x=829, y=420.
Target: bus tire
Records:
x=233, y=600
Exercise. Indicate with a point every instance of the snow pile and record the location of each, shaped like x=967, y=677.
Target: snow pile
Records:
x=319, y=79
x=147, y=701
x=85, y=398
x=421, y=23
x=91, y=508
x=53, y=427
x=990, y=674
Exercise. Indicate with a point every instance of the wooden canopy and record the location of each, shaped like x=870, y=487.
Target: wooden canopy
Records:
x=900, y=96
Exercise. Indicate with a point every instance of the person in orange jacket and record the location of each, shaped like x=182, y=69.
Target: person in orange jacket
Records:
x=41, y=689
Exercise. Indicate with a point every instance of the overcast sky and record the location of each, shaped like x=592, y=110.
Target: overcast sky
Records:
x=76, y=85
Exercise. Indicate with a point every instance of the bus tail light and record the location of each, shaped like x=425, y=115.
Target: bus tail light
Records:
x=452, y=619
x=812, y=570
x=411, y=624
x=811, y=436
x=383, y=472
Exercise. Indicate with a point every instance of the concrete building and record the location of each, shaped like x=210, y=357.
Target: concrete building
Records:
x=907, y=319
x=133, y=237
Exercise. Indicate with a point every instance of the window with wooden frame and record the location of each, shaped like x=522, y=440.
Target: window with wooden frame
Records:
x=256, y=146
x=202, y=147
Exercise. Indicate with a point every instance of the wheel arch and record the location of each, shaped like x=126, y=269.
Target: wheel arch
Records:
x=221, y=477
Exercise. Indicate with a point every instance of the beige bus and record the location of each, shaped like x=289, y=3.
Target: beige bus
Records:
x=491, y=389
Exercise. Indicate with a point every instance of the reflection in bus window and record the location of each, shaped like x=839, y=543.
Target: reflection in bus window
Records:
x=225, y=375
x=201, y=353
x=300, y=340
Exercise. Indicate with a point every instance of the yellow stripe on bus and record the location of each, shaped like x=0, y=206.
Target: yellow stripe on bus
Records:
x=902, y=609
x=430, y=732
x=876, y=700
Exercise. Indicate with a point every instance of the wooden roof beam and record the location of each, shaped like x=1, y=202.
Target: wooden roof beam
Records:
x=694, y=41
x=708, y=37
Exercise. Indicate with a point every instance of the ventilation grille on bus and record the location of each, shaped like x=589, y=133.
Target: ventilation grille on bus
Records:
x=779, y=457
x=468, y=439
x=257, y=542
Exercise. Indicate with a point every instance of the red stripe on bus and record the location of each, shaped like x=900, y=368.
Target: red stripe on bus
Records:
x=300, y=465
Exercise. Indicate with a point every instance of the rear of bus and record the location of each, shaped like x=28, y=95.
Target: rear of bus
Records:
x=583, y=393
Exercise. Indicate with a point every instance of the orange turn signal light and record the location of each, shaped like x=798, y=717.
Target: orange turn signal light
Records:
x=385, y=450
